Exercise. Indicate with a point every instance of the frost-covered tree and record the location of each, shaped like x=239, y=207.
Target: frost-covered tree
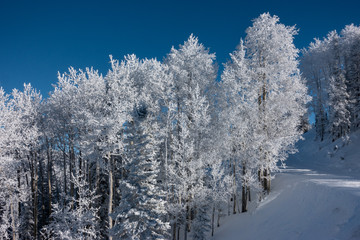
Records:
x=219, y=188
x=340, y=115
x=282, y=94
x=194, y=73
x=26, y=104
x=242, y=117
x=77, y=112
x=141, y=213
x=338, y=95
x=314, y=69
x=77, y=220
x=331, y=68
x=121, y=97
x=180, y=174
x=9, y=214
x=20, y=161
x=63, y=106
x=155, y=150
x=350, y=46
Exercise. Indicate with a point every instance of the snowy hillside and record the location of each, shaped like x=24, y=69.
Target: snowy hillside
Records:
x=316, y=197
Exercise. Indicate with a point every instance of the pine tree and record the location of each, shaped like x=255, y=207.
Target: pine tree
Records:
x=141, y=213
x=351, y=53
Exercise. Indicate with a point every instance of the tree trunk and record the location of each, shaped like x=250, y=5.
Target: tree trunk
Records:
x=260, y=176
x=174, y=229
x=185, y=226
x=19, y=182
x=234, y=190
x=111, y=193
x=13, y=226
x=65, y=183
x=49, y=170
x=229, y=206
x=80, y=165
x=88, y=171
x=42, y=191
x=234, y=203
x=166, y=169
x=218, y=217
x=34, y=179
x=267, y=180
x=212, y=221
x=178, y=232
x=244, y=199
x=97, y=172
x=244, y=191
x=71, y=170
x=190, y=217
x=261, y=181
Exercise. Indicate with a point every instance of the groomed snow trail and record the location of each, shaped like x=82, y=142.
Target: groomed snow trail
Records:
x=304, y=204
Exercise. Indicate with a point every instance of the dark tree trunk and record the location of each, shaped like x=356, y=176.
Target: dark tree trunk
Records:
x=178, y=232
x=13, y=226
x=111, y=192
x=174, y=229
x=49, y=177
x=71, y=170
x=19, y=181
x=34, y=178
x=65, y=180
x=187, y=218
x=244, y=192
x=244, y=199
x=218, y=217
x=212, y=221
x=267, y=181
x=234, y=193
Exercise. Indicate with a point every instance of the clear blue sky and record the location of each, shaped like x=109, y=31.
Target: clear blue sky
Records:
x=40, y=38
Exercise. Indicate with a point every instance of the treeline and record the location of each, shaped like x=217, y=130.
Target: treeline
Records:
x=152, y=150
x=332, y=68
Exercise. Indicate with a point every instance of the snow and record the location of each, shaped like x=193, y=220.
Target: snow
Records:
x=316, y=197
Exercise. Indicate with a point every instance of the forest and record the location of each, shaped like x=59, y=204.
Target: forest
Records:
x=166, y=149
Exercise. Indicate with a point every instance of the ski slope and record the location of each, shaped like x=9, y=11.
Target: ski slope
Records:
x=316, y=197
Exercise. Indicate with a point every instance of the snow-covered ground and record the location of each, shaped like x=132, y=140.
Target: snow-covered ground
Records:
x=316, y=197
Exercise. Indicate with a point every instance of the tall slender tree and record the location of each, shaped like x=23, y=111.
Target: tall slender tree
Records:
x=194, y=72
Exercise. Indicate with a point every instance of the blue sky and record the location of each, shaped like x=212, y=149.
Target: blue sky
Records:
x=40, y=38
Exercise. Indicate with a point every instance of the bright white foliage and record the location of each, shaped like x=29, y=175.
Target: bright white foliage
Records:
x=194, y=72
x=331, y=67
x=266, y=98
x=150, y=148
x=77, y=220
x=282, y=94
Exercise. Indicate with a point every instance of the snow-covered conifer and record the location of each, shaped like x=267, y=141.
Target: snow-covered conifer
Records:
x=350, y=46
x=141, y=213
x=338, y=95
